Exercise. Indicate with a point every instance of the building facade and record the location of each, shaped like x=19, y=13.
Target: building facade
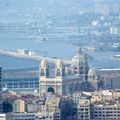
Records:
x=52, y=104
x=25, y=81
x=83, y=109
x=51, y=84
x=105, y=111
x=19, y=106
x=30, y=116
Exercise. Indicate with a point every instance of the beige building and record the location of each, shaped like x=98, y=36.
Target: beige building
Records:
x=105, y=95
x=116, y=93
x=19, y=106
x=52, y=104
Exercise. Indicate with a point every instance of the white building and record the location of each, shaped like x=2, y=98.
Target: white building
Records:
x=25, y=52
x=113, y=30
x=83, y=109
x=2, y=117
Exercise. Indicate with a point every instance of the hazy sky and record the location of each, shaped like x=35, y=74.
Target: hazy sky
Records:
x=42, y=3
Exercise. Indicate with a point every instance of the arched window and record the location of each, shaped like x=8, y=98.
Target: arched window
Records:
x=58, y=72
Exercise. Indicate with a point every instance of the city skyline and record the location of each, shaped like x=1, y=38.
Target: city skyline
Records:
x=60, y=60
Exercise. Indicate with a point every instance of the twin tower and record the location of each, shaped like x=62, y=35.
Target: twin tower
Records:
x=54, y=83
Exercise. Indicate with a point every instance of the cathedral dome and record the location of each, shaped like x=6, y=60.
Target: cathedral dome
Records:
x=78, y=58
x=92, y=72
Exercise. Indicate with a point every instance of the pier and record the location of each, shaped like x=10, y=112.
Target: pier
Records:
x=32, y=57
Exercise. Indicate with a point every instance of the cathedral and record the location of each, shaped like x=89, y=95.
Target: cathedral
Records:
x=65, y=79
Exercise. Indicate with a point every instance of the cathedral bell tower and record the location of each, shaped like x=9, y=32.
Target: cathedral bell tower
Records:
x=59, y=69
x=43, y=75
x=44, y=70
